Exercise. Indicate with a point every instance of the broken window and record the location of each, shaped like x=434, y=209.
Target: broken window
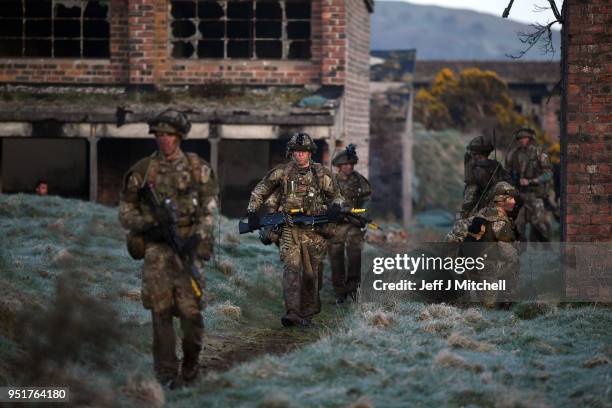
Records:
x=270, y=29
x=55, y=28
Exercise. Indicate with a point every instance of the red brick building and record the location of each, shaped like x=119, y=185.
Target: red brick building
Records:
x=586, y=147
x=588, y=120
x=256, y=70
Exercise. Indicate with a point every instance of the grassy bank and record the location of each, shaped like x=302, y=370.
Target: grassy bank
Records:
x=71, y=314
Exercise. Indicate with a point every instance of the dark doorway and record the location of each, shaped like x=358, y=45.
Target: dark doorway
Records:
x=242, y=163
x=62, y=162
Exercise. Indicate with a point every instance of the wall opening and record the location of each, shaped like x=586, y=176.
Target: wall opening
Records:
x=55, y=28
x=62, y=162
x=272, y=29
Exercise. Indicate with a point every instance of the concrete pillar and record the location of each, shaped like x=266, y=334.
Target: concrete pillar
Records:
x=214, y=154
x=93, y=165
x=1, y=143
x=407, y=165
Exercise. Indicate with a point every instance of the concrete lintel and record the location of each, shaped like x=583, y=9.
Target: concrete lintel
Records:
x=14, y=129
x=254, y=132
x=128, y=131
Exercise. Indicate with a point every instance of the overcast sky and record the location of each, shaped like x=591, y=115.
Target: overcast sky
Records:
x=522, y=10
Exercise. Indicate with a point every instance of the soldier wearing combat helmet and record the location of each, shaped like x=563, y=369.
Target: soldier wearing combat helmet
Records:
x=531, y=174
x=481, y=174
x=346, y=244
x=494, y=230
x=188, y=182
x=308, y=187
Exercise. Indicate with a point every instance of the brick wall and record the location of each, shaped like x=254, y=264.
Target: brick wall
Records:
x=588, y=121
x=357, y=92
x=139, y=53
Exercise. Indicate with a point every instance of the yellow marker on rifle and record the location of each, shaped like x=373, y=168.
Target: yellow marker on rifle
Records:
x=353, y=210
x=195, y=287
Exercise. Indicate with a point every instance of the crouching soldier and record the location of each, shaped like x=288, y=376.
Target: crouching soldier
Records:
x=184, y=185
x=492, y=235
x=346, y=244
x=309, y=188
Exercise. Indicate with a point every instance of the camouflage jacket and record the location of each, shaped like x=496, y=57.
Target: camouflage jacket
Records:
x=500, y=234
x=480, y=178
x=311, y=189
x=355, y=189
x=532, y=163
x=188, y=181
x=499, y=227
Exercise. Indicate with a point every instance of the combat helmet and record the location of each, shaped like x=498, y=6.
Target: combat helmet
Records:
x=346, y=156
x=503, y=190
x=170, y=121
x=481, y=145
x=301, y=142
x=525, y=132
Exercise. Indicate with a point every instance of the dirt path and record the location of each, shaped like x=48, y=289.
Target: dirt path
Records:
x=224, y=351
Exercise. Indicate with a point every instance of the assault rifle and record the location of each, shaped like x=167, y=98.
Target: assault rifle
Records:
x=297, y=216
x=167, y=220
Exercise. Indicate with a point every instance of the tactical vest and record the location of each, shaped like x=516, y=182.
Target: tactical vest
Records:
x=302, y=190
x=178, y=182
x=526, y=164
x=351, y=189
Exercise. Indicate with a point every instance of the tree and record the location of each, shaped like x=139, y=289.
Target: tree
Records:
x=540, y=33
x=473, y=100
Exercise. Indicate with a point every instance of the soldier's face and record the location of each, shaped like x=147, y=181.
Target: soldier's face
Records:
x=509, y=204
x=301, y=158
x=346, y=169
x=42, y=189
x=167, y=143
x=524, y=141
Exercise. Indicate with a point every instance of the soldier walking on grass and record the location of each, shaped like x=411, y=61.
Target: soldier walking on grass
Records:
x=531, y=173
x=185, y=184
x=309, y=188
x=348, y=236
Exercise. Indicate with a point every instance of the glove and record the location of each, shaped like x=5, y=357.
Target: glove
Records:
x=334, y=212
x=253, y=220
x=478, y=222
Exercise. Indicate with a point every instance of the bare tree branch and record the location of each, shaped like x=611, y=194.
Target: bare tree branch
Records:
x=506, y=12
x=541, y=34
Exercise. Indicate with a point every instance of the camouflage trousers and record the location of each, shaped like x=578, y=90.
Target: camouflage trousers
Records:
x=302, y=250
x=501, y=263
x=345, y=258
x=535, y=214
x=167, y=291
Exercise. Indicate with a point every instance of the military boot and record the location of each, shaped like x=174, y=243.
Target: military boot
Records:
x=290, y=319
x=190, y=371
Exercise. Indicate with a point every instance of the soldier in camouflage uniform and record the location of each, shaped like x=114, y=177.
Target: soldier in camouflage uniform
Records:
x=309, y=187
x=167, y=290
x=495, y=236
x=348, y=237
x=481, y=174
x=531, y=173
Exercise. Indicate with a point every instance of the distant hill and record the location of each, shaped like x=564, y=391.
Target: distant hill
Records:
x=444, y=33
